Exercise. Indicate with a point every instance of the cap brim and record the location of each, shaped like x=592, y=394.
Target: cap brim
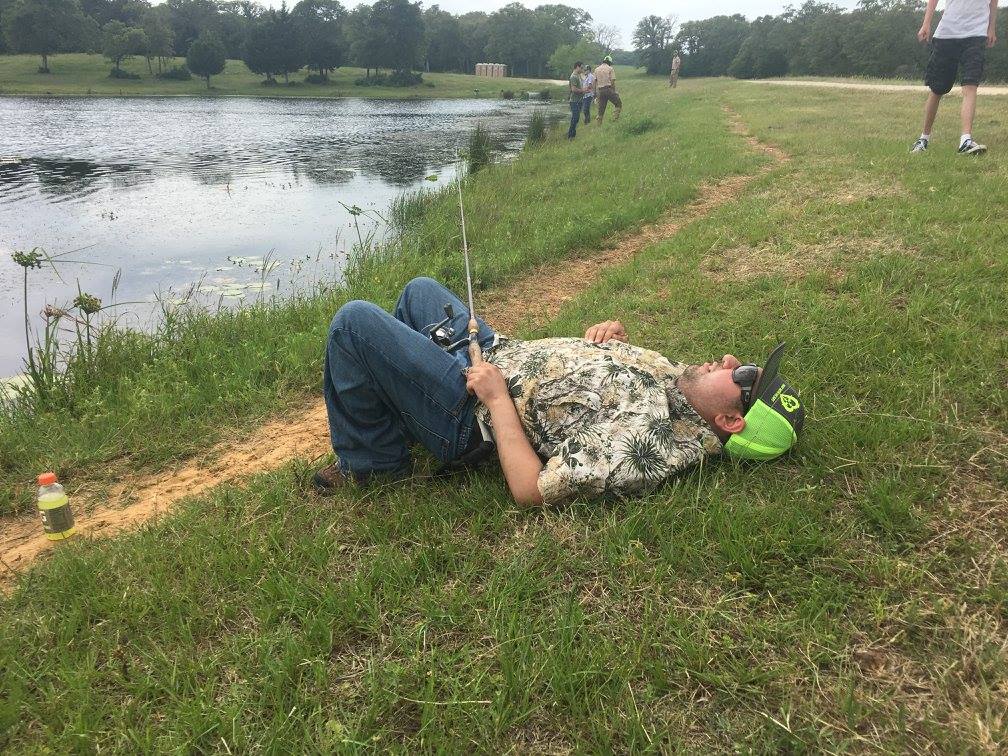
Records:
x=770, y=369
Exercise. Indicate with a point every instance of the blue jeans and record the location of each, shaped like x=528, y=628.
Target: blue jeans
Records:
x=387, y=384
x=586, y=108
x=575, y=117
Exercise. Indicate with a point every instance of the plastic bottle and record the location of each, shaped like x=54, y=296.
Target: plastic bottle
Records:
x=54, y=506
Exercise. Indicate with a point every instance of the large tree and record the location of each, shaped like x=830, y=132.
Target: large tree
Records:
x=444, y=49
x=511, y=39
x=5, y=6
x=206, y=56
x=320, y=23
x=401, y=31
x=366, y=38
x=188, y=19
x=43, y=27
x=761, y=54
x=562, y=61
x=275, y=45
x=262, y=53
x=474, y=28
x=569, y=24
x=130, y=12
x=232, y=24
x=607, y=36
x=159, y=36
x=120, y=42
x=653, y=42
x=709, y=46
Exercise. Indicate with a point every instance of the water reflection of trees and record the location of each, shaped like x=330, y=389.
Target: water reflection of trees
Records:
x=322, y=174
x=398, y=167
x=211, y=169
x=64, y=179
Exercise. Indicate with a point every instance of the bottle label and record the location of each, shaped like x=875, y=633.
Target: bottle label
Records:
x=57, y=519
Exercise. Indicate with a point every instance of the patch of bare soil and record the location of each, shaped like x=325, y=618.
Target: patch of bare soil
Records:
x=134, y=500
x=536, y=297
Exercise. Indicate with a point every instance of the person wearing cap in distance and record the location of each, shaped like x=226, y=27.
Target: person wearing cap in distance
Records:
x=605, y=89
x=572, y=418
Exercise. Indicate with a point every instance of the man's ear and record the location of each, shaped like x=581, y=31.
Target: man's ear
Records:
x=730, y=422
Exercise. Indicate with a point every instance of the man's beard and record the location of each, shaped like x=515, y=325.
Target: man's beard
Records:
x=693, y=373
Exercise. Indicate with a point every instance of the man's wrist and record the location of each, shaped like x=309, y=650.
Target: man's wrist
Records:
x=499, y=403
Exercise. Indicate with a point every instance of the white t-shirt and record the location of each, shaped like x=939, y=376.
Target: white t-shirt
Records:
x=964, y=18
x=586, y=83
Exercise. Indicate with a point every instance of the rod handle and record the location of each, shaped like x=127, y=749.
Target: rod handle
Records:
x=475, y=353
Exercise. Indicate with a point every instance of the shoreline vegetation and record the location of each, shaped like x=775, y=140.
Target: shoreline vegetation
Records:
x=82, y=75
x=849, y=597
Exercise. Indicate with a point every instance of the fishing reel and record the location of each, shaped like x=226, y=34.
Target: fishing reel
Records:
x=442, y=333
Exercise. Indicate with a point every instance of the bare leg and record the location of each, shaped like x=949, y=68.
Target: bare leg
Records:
x=968, y=110
x=931, y=109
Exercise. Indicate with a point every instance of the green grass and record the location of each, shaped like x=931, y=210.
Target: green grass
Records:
x=849, y=598
x=81, y=74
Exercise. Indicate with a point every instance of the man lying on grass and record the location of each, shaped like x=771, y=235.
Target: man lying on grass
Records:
x=571, y=417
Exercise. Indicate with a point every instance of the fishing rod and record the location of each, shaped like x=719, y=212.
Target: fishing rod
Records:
x=475, y=352
x=442, y=333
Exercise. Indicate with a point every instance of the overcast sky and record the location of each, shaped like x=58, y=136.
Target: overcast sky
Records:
x=624, y=14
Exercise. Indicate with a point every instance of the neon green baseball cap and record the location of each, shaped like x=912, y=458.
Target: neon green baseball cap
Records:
x=774, y=419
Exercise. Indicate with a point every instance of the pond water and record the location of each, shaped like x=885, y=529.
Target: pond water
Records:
x=233, y=195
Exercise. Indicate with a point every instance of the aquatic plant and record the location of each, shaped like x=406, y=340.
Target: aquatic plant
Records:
x=356, y=211
x=28, y=261
x=536, y=128
x=478, y=152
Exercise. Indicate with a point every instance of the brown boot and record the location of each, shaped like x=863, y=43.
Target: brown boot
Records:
x=616, y=114
x=328, y=479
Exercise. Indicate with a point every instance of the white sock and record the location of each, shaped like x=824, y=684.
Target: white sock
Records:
x=926, y=137
x=964, y=138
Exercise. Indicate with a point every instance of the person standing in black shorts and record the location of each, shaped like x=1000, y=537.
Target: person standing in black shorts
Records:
x=966, y=29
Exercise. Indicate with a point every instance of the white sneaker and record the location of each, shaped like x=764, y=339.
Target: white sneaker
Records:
x=920, y=145
x=969, y=147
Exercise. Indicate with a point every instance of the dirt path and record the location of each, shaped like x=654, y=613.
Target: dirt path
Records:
x=303, y=432
x=919, y=88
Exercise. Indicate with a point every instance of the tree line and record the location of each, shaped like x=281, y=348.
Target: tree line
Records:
x=878, y=38
x=397, y=35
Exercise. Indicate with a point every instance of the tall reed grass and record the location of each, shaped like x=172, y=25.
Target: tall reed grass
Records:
x=537, y=128
x=479, y=152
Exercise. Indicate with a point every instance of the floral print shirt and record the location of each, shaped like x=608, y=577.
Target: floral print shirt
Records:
x=607, y=419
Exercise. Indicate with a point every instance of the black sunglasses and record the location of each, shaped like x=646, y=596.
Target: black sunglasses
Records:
x=745, y=377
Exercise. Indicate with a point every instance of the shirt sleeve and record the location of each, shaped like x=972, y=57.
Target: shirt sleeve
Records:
x=614, y=462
